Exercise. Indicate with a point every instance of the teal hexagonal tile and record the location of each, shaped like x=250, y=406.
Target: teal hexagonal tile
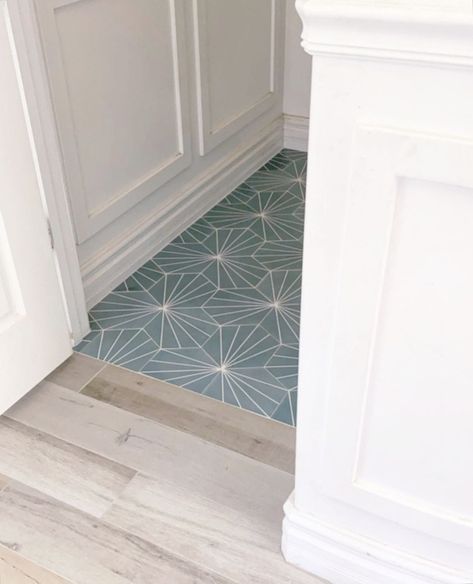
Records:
x=280, y=255
x=198, y=231
x=180, y=320
x=225, y=258
x=142, y=279
x=279, y=180
x=274, y=217
x=129, y=348
x=274, y=304
x=229, y=367
x=170, y=312
x=286, y=412
x=283, y=364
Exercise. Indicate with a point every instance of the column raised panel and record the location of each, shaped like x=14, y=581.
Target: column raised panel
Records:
x=403, y=335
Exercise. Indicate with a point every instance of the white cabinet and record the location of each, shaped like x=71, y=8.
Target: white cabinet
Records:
x=384, y=477
x=154, y=100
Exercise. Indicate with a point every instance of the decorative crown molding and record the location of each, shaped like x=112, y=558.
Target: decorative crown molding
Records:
x=387, y=31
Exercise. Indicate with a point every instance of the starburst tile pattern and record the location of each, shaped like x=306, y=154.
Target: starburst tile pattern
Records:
x=225, y=257
x=129, y=348
x=230, y=366
x=274, y=304
x=217, y=311
x=281, y=255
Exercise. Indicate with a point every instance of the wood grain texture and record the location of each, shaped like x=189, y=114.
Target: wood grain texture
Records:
x=210, y=534
x=86, y=550
x=213, y=472
x=15, y=569
x=76, y=372
x=64, y=471
x=244, y=432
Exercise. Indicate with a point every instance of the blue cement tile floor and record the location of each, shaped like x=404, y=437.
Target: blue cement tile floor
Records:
x=217, y=311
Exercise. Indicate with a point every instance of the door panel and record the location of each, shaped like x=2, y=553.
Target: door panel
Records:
x=34, y=335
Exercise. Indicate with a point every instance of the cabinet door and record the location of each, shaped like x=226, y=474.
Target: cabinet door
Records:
x=34, y=335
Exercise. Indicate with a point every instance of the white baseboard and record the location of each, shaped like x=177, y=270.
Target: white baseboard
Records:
x=296, y=132
x=347, y=558
x=119, y=259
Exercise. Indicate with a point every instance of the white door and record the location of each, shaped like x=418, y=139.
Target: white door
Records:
x=34, y=335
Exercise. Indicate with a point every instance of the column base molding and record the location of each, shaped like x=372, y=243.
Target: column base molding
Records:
x=344, y=557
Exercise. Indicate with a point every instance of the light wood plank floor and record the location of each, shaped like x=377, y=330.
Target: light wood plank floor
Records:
x=110, y=477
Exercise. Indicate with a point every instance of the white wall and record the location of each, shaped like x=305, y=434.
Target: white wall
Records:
x=297, y=74
x=162, y=107
x=297, y=65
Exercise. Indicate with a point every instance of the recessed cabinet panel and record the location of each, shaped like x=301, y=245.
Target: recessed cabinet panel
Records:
x=238, y=37
x=235, y=62
x=117, y=70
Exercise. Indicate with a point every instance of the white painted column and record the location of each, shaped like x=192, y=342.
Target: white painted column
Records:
x=384, y=478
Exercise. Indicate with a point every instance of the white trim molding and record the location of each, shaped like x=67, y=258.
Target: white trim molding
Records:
x=377, y=30
x=296, y=132
x=344, y=557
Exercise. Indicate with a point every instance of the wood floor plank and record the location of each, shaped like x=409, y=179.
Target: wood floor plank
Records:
x=15, y=569
x=68, y=473
x=213, y=472
x=86, y=550
x=211, y=535
x=252, y=435
x=76, y=372
x=3, y=481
